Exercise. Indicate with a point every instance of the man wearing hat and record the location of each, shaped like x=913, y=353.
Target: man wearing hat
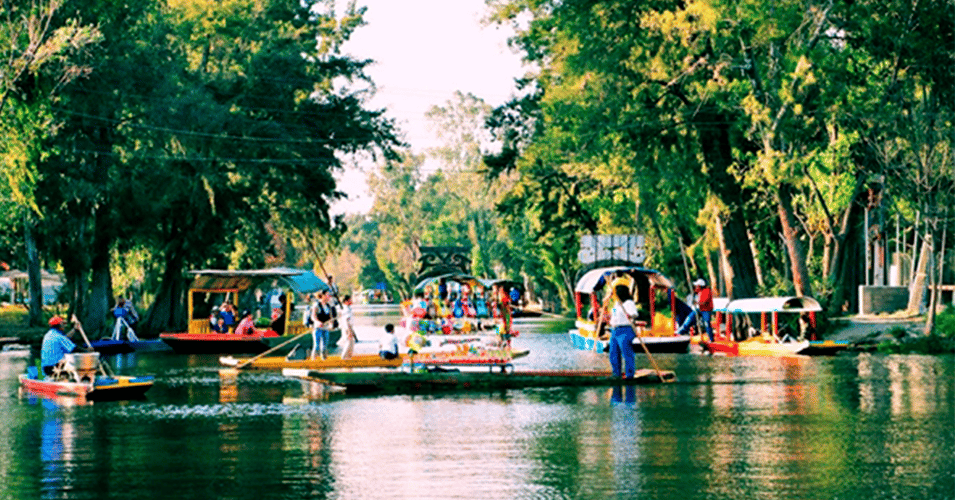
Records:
x=56, y=345
x=701, y=301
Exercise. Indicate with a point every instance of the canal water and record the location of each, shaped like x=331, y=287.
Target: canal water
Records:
x=845, y=427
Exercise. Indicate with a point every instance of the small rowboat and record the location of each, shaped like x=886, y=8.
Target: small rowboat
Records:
x=110, y=346
x=101, y=388
x=755, y=346
x=429, y=381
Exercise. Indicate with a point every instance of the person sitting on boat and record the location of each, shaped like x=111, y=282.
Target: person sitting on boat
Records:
x=515, y=296
x=623, y=314
x=701, y=303
x=56, y=345
x=246, y=325
x=419, y=307
x=278, y=317
x=124, y=320
x=465, y=304
x=388, y=344
x=227, y=313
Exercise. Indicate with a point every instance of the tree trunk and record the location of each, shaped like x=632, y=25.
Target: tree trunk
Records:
x=917, y=288
x=794, y=247
x=101, y=290
x=846, y=272
x=34, y=274
x=168, y=311
x=714, y=140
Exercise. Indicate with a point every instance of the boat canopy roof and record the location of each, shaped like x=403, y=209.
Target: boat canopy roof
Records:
x=456, y=277
x=489, y=282
x=597, y=278
x=298, y=280
x=774, y=304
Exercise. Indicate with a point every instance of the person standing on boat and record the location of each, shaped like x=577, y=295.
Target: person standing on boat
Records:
x=56, y=345
x=321, y=322
x=124, y=321
x=622, y=315
x=347, y=328
x=701, y=302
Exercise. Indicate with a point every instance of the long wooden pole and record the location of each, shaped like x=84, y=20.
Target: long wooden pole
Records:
x=243, y=364
x=105, y=366
x=333, y=289
x=647, y=351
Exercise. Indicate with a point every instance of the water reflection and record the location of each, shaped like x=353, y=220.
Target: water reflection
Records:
x=867, y=426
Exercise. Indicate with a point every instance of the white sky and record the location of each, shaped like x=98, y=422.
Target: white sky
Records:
x=424, y=51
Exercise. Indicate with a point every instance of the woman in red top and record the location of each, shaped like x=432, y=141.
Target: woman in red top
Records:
x=246, y=326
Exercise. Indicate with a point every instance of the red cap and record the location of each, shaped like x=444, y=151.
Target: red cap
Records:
x=56, y=320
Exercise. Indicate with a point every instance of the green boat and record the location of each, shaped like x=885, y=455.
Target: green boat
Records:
x=371, y=382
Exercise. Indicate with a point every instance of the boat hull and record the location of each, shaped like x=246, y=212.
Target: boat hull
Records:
x=109, y=346
x=432, y=381
x=371, y=361
x=675, y=344
x=825, y=347
x=102, y=389
x=332, y=362
x=754, y=347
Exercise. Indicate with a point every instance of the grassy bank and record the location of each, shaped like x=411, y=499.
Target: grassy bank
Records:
x=14, y=323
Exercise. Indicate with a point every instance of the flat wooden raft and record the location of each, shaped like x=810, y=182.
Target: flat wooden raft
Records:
x=429, y=381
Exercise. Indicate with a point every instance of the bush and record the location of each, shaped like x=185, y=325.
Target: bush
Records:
x=945, y=323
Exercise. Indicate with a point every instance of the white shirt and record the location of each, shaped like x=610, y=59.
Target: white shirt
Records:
x=621, y=313
x=346, y=315
x=388, y=343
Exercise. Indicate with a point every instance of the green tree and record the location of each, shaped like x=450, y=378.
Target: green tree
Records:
x=39, y=59
x=195, y=152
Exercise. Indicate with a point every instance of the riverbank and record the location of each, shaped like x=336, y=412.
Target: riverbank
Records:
x=894, y=334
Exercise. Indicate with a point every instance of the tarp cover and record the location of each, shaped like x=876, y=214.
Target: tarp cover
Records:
x=774, y=304
x=597, y=278
x=455, y=277
x=221, y=279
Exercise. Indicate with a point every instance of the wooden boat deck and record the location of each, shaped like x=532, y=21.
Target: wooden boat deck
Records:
x=430, y=381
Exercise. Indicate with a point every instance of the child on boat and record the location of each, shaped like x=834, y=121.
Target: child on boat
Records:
x=388, y=344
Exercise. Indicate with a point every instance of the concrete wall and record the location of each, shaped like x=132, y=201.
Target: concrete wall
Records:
x=882, y=299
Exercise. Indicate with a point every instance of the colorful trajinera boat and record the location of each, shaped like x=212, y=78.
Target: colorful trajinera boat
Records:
x=279, y=287
x=365, y=382
x=769, y=340
x=451, y=304
x=465, y=355
x=653, y=294
x=85, y=377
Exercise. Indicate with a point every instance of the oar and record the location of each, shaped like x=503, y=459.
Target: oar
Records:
x=79, y=326
x=647, y=351
x=243, y=364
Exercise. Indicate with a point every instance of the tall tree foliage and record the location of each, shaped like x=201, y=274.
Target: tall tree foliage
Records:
x=40, y=57
x=202, y=128
x=753, y=103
